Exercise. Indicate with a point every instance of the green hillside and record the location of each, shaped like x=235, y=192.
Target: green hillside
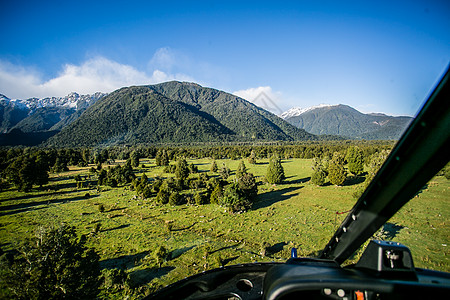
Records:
x=174, y=112
x=346, y=121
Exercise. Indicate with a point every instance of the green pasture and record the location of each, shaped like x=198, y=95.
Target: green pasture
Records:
x=293, y=214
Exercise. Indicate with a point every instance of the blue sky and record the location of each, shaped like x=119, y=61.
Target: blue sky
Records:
x=377, y=56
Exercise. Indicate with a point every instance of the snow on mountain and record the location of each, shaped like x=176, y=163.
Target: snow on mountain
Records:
x=73, y=100
x=296, y=111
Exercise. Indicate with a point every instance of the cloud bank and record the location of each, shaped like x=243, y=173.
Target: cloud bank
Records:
x=97, y=74
x=262, y=96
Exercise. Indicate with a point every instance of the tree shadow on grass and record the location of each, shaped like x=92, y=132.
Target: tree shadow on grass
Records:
x=269, y=198
x=178, y=252
x=141, y=277
x=22, y=207
x=29, y=196
x=278, y=247
x=224, y=248
x=116, y=228
x=184, y=228
x=301, y=180
x=228, y=260
x=117, y=208
x=352, y=180
x=124, y=261
x=391, y=230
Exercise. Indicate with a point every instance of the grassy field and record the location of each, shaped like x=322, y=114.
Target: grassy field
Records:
x=293, y=214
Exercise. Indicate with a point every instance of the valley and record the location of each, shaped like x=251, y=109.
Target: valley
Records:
x=295, y=213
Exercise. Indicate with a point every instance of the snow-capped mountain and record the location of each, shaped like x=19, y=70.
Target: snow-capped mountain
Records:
x=73, y=100
x=35, y=114
x=297, y=111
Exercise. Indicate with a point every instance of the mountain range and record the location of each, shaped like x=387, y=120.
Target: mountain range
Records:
x=346, y=121
x=46, y=114
x=177, y=112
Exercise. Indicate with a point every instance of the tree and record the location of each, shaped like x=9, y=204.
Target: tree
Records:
x=247, y=184
x=375, y=162
x=25, y=171
x=54, y=265
x=355, y=160
x=241, y=170
x=318, y=177
x=336, y=170
x=224, y=172
x=275, y=171
x=234, y=198
x=175, y=198
x=134, y=159
x=213, y=167
x=252, y=158
x=217, y=194
x=161, y=158
x=319, y=174
x=160, y=255
x=181, y=169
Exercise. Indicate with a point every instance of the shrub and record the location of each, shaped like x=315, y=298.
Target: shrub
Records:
x=116, y=279
x=160, y=255
x=247, y=184
x=216, y=195
x=355, y=160
x=200, y=199
x=234, y=198
x=213, y=167
x=336, y=170
x=56, y=264
x=275, y=171
x=175, y=199
x=163, y=196
x=318, y=177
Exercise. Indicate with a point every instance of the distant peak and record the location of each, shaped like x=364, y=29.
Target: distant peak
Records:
x=3, y=97
x=296, y=111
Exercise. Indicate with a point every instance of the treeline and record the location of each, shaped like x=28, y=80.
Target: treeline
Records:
x=25, y=167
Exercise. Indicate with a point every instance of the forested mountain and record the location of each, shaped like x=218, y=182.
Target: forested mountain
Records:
x=174, y=112
x=348, y=122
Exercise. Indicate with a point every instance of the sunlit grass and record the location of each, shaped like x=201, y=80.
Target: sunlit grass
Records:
x=293, y=214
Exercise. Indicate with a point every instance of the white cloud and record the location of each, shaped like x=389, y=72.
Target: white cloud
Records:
x=96, y=74
x=263, y=96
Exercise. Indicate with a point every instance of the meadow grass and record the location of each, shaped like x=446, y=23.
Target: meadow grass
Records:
x=293, y=214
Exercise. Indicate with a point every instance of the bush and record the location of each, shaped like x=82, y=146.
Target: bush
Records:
x=275, y=171
x=200, y=199
x=56, y=264
x=247, y=184
x=336, y=170
x=213, y=167
x=217, y=194
x=163, y=195
x=319, y=177
x=234, y=198
x=116, y=279
x=160, y=255
x=175, y=199
x=355, y=160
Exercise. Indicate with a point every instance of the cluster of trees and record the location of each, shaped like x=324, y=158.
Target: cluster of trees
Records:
x=116, y=175
x=189, y=186
x=334, y=168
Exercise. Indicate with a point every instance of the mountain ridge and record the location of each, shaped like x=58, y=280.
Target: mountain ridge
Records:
x=346, y=121
x=174, y=112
